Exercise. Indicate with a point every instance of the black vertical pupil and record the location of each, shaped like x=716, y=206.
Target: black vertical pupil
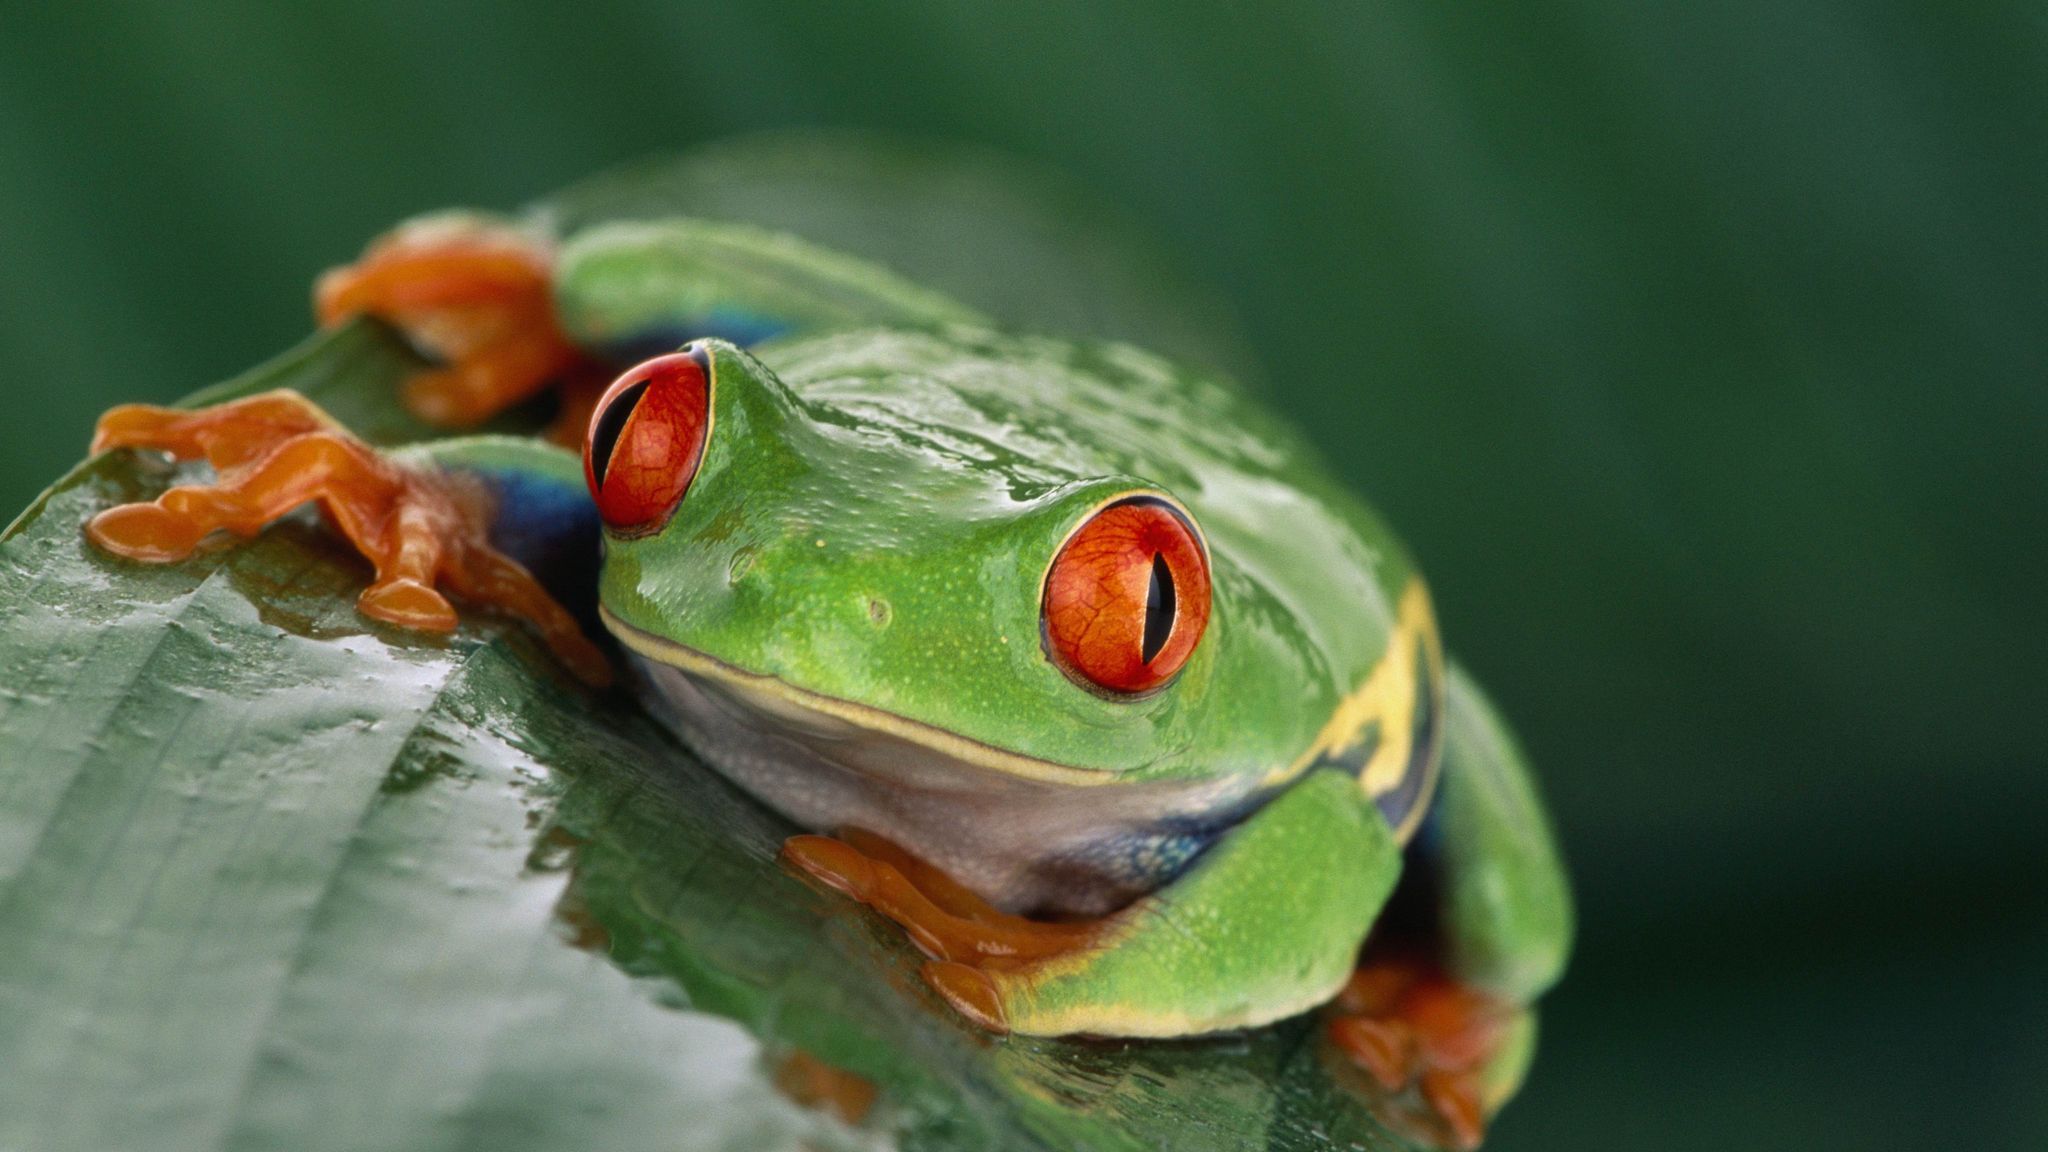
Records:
x=1159, y=605
x=610, y=423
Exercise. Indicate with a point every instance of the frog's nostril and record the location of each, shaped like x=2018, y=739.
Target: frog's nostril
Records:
x=742, y=563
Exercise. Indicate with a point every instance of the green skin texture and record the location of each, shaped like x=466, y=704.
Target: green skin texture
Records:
x=891, y=448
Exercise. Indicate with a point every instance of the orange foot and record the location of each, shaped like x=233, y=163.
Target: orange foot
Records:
x=477, y=294
x=277, y=451
x=1419, y=1033
x=963, y=934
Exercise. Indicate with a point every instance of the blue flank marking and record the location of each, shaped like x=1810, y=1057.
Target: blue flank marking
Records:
x=537, y=514
x=552, y=528
x=745, y=329
x=1145, y=860
x=1428, y=841
x=742, y=328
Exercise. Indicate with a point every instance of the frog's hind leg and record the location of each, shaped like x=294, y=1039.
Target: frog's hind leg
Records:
x=1440, y=1011
x=478, y=293
x=1443, y=1053
x=419, y=526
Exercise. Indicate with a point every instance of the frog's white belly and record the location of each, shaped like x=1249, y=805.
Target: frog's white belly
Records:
x=1026, y=845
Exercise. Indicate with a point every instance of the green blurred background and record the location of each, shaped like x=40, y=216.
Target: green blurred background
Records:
x=1697, y=348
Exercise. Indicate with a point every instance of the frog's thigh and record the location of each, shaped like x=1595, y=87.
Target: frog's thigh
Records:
x=1266, y=924
x=1507, y=914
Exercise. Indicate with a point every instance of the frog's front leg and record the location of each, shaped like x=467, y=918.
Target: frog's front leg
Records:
x=1443, y=1009
x=1265, y=924
x=422, y=528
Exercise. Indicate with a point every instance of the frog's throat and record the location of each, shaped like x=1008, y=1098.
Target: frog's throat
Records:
x=753, y=684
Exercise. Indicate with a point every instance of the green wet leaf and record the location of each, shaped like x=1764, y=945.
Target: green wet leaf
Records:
x=274, y=877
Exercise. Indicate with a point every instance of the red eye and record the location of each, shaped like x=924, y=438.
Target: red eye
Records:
x=645, y=440
x=1127, y=597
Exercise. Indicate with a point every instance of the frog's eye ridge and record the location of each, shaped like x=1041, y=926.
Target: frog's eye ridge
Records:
x=1127, y=598
x=645, y=440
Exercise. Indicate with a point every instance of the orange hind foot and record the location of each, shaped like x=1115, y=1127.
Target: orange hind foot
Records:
x=477, y=294
x=1426, y=1040
x=421, y=529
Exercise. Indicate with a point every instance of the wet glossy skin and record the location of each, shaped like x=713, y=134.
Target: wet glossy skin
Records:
x=860, y=570
x=874, y=517
x=896, y=572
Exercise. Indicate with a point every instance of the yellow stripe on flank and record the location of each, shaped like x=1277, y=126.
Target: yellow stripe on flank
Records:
x=1394, y=687
x=1384, y=704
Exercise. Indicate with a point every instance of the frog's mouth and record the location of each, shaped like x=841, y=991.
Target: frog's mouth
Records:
x=1026, y=833
x=830, y=716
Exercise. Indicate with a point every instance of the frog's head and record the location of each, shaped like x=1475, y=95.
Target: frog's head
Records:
x=836, y=567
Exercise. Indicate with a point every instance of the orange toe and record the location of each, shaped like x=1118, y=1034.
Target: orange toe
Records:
x=408, y=603
x=129, y=424
x=970, y=992
x=1384, y=1048
x=835, y=864
x=1455, y=1098
x=433, y=396
x=145, y=532
x=1458, y=1026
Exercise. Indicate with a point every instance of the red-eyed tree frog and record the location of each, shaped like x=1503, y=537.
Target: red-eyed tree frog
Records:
x=1073, y=661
